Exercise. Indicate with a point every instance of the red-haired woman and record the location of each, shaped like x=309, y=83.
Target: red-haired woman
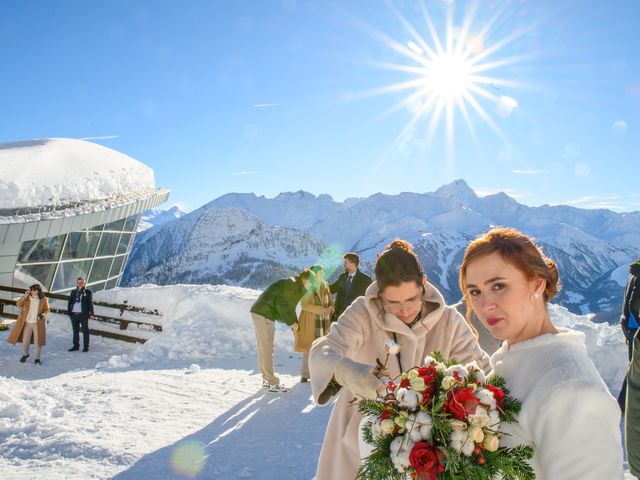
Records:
x=568, y=414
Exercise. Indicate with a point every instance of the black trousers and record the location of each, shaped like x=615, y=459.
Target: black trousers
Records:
x=622, y=397
x=77, y=320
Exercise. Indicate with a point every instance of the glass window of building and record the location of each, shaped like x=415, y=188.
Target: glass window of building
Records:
x=100, y=269
x=130, y=224
x=80, y=245
x=27, y=275
x=68, y=273
x=117, y=265
x=108, y=244
x=41, y=250
x=123, y=243
x=111, y=283
x=115, y=226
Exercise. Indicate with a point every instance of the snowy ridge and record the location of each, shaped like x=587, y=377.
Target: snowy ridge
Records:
x=153, y=218
x=587, y=245
x=218, y=246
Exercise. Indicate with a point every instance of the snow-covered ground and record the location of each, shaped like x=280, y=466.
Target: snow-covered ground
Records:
x=187, y=404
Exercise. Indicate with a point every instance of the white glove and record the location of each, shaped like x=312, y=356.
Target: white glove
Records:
x=358, y=378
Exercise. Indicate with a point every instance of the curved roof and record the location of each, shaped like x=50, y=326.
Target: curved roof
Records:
x=59, y=171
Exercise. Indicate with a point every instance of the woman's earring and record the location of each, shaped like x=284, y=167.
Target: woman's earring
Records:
x=536, y=295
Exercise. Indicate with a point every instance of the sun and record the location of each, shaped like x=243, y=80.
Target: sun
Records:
x=453, y=74
x=448, y=76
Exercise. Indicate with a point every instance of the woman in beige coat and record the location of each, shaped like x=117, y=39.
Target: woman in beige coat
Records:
x=315, y=318
x=30, y=327
x=401, y=306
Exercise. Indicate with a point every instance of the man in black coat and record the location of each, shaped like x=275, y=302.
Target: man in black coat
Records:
x=80, y=310
x=349, y=285
x=277, y=304
x=630, y=318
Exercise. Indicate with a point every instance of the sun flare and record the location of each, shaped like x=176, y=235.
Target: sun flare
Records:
x=454, y=74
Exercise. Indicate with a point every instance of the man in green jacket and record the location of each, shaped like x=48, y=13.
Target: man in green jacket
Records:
x=632, y=412
x=277, y=304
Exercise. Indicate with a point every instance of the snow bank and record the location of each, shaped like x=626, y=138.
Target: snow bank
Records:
x=199, y=322
x=605, y=344
x=60, y=171
x=206, y=321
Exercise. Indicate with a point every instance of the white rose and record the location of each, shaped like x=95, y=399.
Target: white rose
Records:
x=387, y=426
x=418, y=384
x=475, y=434
x=480, y=418
x=401, y=419
x=448, y=382
x=457, y=425
x=491, y=443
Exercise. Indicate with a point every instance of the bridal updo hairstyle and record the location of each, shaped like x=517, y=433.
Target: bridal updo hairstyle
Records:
x=398, y=264
x=517, y=249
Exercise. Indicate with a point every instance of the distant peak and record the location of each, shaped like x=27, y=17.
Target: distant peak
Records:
x=300, y=194
x=458, y=188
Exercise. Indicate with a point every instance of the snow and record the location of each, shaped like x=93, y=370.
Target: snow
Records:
x=186, y=404
x=60, y=171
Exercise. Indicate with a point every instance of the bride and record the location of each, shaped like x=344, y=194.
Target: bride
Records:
x=568, y=414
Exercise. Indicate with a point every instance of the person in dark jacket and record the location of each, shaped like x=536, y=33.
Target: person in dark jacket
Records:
x=80, y=310
x=276, y=304
x=630, y=318
x=632, y=414
x=349, y=285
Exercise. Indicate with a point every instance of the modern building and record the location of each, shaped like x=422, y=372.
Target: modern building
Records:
x=68, y=209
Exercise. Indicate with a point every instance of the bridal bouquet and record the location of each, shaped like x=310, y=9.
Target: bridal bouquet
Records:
x=440, y=421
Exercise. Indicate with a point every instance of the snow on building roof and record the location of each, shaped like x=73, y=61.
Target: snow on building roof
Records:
x=60, y=171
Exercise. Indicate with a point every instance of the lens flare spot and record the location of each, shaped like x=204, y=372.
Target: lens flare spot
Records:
x=188, y=458
x=619, y=127
x=582, y=170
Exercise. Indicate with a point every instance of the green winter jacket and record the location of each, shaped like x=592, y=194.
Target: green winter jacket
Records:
x=632, y=413
x=278, y=302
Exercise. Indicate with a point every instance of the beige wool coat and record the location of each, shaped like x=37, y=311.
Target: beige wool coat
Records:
x=16, y=332
x=312, y=304
x=359, y=334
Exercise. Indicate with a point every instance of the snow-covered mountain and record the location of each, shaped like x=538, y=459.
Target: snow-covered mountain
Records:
x=222, y=246
x=588, y=245
x=153, y=218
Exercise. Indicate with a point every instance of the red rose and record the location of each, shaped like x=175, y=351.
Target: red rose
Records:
x=498, y=394
x=385, y=414
x=405, y=383
x=426, y=460
x=461, y=403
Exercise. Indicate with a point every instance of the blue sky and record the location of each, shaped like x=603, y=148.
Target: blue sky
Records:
x=267, y=96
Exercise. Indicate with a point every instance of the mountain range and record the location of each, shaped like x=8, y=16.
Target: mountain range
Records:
x=248, y=240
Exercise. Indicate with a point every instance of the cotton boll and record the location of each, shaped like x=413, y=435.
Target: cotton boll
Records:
x=459, y=369
x=486, y=397
x=467, y=448
x=400, y=449
x=419, y=426
x=473, y=367
x=457, y=439
x=494, y=419
x=408, y=398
